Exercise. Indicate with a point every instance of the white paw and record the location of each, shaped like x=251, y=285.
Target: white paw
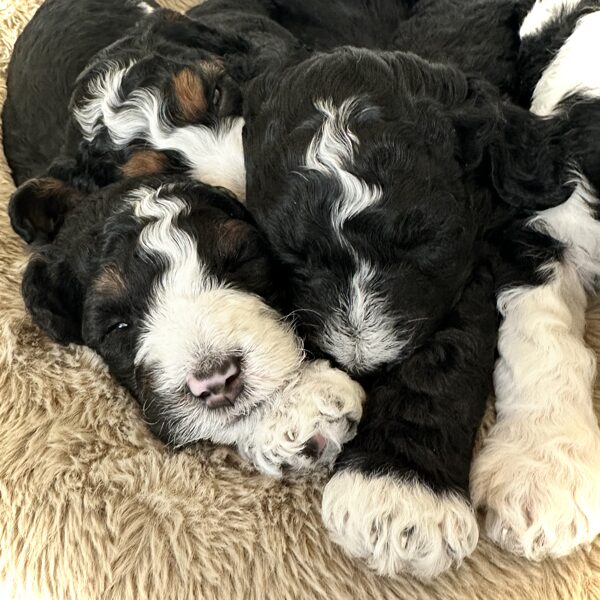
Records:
x=540, y=486
x=398, y=526
x=308, y=423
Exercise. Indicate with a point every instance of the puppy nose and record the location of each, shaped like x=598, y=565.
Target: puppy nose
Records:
x=219, y=388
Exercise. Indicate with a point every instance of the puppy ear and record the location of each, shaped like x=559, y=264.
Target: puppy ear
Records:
x=38, y=207
x=529, y=163
x=523, y=155
x=52, y=295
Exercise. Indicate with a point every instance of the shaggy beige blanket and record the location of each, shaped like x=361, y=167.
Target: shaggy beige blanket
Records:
x=92, y=507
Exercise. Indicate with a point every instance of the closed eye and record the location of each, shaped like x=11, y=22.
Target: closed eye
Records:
x=216, y=98
x=117, y=327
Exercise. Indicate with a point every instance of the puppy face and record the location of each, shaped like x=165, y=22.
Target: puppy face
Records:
x=381, y=237
x=168, y=282
x=377, y=189
x=160, y=100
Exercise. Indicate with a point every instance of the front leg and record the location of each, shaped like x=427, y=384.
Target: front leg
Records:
x=538, y=475
x=399, y=498
x=307, y=422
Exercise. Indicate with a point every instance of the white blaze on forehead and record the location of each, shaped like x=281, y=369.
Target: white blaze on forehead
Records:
x=162, y=237
x=545, y=12
x=193, y=320
x=361, y=333
x=215, y=155
x=331, y=151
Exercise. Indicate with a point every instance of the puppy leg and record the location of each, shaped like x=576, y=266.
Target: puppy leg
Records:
x=308, y=422
x=538, y=474
x=399, y=498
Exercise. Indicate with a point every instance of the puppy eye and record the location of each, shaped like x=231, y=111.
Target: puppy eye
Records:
x=216, y=99
x=116, y=328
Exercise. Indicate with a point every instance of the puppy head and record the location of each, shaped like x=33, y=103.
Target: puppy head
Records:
x=159, y=101
x=168, y=59
x=377, y=189
x=168, y=282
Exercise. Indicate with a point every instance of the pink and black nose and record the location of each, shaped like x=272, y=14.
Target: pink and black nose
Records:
x=221, y=387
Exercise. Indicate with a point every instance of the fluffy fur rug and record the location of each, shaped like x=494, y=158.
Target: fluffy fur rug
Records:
x=91, y=507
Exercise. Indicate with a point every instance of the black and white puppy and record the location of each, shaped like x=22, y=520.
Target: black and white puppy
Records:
x=392, y=189
x=49, y=55
x=172, y=284
x=538, y=475
x=53, y=115
x=160, y=98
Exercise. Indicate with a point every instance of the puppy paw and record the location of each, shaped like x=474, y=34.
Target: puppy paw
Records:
x=540, y=486
x=398, y=526
x=308, y=423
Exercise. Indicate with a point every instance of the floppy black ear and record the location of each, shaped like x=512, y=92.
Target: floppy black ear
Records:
x=53, y=296
x=523, y=155
x=38, y=207
x=530, y=166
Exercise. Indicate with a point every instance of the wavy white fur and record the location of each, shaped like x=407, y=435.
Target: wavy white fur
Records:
x=538, y=474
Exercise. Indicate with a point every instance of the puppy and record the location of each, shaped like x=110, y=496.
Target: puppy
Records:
x=161, y=99
x=171, y=283
x=538, y=476
x=395, y=191
x=166, y=98
x=119, y=268
x=49, y=55
x=479, y=36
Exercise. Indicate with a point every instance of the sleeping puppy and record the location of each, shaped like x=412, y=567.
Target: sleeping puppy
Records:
x=168, y=99
x=48, y=56
x=153, y=50
x=172, y=284
x=395, y=193
x=160, y=98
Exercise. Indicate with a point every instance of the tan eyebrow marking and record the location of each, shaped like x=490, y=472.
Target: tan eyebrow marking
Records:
x=110, y=281
x=189, y=91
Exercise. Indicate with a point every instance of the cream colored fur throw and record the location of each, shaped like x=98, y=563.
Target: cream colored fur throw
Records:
x=92, y=507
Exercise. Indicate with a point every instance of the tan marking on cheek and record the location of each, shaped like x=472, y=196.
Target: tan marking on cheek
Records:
x=145, y=162
x=110, y=282
x=189, y=92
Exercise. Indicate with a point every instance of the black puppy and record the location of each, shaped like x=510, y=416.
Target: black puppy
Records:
x=392, y=190
x=479, y=36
